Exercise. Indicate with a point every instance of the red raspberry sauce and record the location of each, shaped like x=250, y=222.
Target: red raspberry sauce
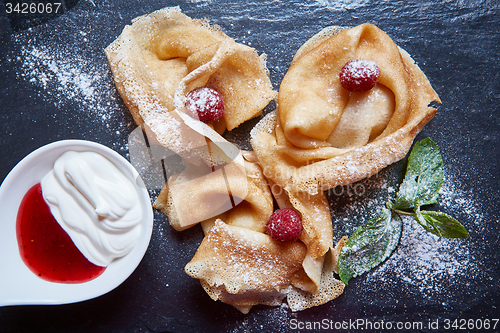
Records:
x=45, y=247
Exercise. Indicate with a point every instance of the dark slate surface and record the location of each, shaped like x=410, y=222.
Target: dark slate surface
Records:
x=56, y=84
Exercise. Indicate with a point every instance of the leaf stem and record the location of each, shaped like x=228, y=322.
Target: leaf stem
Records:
x=404, y=213
x=390, y=205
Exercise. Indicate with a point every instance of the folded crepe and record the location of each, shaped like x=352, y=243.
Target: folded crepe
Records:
x=237, y=192
x=163, y=56
x=238, y=261
x=243, y=267
x=323, y=135
x=233, y=205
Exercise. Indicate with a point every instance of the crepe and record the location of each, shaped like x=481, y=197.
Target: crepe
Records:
x=242, y=267
x=233, y=205
x=236, y=192
x=164, y=55
x=323, y=135
x=329, y=287
x=246, y=262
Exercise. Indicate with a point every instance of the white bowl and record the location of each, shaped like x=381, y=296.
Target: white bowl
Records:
x=20, y=286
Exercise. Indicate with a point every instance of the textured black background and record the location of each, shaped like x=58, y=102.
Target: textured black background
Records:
x=456, y=43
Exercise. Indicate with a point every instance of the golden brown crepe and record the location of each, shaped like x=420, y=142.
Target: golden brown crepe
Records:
x=164, y=55
x=233, y=205
x=243, y=267
x=324, y=135
x=329, y=287
x=236, y=192
x=246, y=262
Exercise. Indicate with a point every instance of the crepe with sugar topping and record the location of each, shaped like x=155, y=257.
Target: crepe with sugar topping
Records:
x=236, y=258
x=246, y=262
x=199, y=195
x=243, y=267
x=163, y=56
x=323, y=135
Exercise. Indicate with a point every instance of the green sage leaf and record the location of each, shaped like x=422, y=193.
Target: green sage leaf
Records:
x=370, y=245
x=441, y=224
x=423, y=178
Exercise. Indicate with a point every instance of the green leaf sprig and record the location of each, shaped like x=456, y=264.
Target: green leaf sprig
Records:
x=374, y=241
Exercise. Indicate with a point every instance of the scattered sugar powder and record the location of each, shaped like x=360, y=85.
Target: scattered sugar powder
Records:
x=276, y=319
x=433, y=267
x=354, y=204
x=343, y=4
x=425, y=264
x=69, y=75
x=461, y=203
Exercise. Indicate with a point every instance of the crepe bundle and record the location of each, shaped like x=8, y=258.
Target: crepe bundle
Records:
x=201, y=194
x=163, y=56
x=323, y=135
x=237, y=262
x=243, y=268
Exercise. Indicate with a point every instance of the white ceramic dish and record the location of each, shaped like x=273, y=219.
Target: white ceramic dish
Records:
x=20, y=286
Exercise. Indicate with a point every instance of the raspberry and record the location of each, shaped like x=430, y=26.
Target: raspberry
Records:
x=205, y=104
x=284, y=225
x=359, y=75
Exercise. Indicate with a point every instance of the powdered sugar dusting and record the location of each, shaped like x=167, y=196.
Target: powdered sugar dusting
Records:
x=354, y=204
x=343, y=4
x=424, y=264
x=68, y=75
x=461, y=203
x=277, y=318
x=205, y=104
